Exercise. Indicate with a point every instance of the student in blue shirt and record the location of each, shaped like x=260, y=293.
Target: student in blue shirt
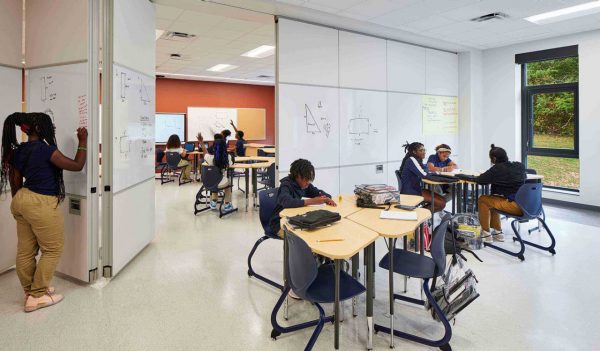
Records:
x=240, y=150
x=412, y=172
x=440, y=161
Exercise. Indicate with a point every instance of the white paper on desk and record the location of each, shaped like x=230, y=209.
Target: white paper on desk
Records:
x=403, y=216
x=320, y=205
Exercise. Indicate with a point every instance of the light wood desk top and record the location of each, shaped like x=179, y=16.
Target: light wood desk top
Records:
x=264, y=164
x=477, y=174
x=345, y=208
x=408, y=200
x=254, y=145
x=269, y=150
x=389, y=228
x=355, y=238
x=432, y=182
x=254, y=158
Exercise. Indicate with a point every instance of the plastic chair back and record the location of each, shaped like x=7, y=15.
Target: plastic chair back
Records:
x=271, y=176
x=173, y=159
x=160, y=154
x=267, y=200
x=437, y=250
x=530, y=171
x=211, y=176
x=261, y=152
x=302, y=267
x=399, y=178
x=529, y=199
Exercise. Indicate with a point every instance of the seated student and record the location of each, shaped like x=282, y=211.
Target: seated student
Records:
x=296, y=186
x=440, y=161
x=506, y=178
x=174, y=145
x=240, y=150
x=412, y=172
x=222, y=160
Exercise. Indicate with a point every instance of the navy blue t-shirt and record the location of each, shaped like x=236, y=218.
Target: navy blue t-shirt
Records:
x=240, y=150
x=32, y=159
x=435, y=159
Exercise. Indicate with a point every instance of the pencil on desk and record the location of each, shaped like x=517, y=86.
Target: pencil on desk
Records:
x=328, y=240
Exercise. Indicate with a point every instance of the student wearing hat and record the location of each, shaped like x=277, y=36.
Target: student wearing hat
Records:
x=440, y=161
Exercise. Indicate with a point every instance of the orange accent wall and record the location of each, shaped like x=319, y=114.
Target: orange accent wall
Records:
x=175, y=95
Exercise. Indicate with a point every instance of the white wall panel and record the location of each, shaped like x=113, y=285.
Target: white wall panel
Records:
x=11, y=33
x=365, y=174
x=362, y=61
x=441, y=73
x=405, y=68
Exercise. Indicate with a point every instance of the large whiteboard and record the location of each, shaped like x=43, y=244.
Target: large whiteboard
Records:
x=133, y=127
x=363, y=126
x=308, y=125
x=209, y=121
x=61, y=92
x=168, y=124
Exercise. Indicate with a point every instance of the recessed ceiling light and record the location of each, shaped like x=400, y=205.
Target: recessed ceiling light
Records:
x=566, y=13
x=159, y=33
x=222, y=67
x=260, y=52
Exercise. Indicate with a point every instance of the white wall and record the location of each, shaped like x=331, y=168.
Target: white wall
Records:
x=501, y=118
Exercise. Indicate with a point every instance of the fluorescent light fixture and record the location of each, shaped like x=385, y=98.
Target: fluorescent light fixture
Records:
x=214, y=78
x=567, y=13
x=222, y=67
x=159, y=33
x=260, y=52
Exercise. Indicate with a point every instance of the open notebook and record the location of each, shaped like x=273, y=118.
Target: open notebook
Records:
x=405, y=216
x=321, y=205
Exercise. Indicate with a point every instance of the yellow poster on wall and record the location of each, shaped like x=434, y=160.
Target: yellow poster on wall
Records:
x=440, y=115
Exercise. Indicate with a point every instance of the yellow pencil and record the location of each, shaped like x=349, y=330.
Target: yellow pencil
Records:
x=328, y=240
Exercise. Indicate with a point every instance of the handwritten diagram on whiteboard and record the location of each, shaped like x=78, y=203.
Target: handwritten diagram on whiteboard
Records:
x=440, y=115
x=316, y=122
x=209, y=121
x=61, y=93
x=133, y=127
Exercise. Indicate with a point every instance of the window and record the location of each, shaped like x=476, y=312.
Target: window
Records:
x=550, y=99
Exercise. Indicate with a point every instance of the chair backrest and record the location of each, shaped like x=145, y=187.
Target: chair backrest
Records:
x=260, y=152
x=160, y=154
x=173, y=158
x=437, y=250
x=271, y=175
x=267, y=200
x=301, y=265
x=529, y=199
x=211, y=176
x=530, y=171
x=399, y=178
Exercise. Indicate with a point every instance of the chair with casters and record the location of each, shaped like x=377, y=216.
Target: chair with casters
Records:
x=538, y=227
x=268, y=201
x=211, y=177
x=529, y=199
x=313, y=283
x=415, y=265
x=172, y=168
x=158, y=161
x=269, y=179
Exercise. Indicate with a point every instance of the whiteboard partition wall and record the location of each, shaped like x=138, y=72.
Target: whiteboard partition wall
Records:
x=372, y=93
x=10, y=101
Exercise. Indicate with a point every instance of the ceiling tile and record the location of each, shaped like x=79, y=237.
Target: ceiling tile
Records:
x=167, y=12
x=375, y=8
x=163, y=24
x=239, y=25
x=219, y=33
x=428, y=23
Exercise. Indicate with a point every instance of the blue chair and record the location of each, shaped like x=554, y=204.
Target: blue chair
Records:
x=529, y=199
x=538, y=227
x=269, y=180
x=414, y=265
x=158, y=161
x=314, y=283
x=399, y=179
x=211, y=177
x=268, y=201
x=172, y=166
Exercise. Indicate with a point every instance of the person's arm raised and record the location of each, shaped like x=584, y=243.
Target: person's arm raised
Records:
x=74, y=165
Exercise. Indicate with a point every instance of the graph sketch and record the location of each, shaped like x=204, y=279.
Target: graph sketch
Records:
x=47, y=85
x=124, y=145
x=360, y=127
x=316, y=122
x=144, y=96
x=124, y=84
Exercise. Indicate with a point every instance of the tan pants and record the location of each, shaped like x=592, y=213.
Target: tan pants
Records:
x=186, y=169
x=227, y=191
x=488, y=217
x=40, y=226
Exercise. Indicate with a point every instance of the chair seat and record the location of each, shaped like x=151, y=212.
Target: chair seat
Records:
x=322, y=290
x=510, y=215
x=410, y=264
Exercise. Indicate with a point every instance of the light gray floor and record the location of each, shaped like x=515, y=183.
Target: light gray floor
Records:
x=189, y=290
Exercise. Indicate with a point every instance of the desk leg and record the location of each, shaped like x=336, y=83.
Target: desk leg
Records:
x=465, y=199
x=254, y=186
x=369, y=252
x=247, y=176
x=355, y=263
x=391, y=288
x=336, y=337
x=453, y=199
x=405, y=247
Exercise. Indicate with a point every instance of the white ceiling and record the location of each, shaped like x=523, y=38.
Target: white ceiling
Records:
x=221, y=37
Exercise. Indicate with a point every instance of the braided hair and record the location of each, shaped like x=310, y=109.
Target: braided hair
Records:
x=36, y=123
x=302, y=168
x=409, y=150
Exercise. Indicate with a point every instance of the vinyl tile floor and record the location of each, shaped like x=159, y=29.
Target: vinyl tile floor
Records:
x=189, y=290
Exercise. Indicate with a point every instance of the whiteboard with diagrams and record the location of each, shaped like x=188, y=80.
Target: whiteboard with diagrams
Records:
x=363, y=126
x=61, y=92
x=133, y=127
x=309, y=124
x=168, y=124
x=209, y=121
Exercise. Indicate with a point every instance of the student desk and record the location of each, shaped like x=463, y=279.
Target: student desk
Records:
x=195, y=155
x=252, y=148
x=391, y=230
x=247, y=167
x=345, y=208
x=355, y=238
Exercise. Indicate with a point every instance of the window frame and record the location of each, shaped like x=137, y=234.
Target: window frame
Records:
x=527, y=94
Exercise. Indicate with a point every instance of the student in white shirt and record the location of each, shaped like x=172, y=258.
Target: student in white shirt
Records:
x=174, y=145
x=221, y=159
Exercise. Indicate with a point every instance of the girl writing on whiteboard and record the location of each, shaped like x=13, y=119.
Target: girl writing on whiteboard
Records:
x=412, y=172
x=221, y=159
x=174, y=145
x=35, y=203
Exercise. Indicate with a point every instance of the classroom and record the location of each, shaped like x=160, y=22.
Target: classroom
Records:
x=299, y=174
